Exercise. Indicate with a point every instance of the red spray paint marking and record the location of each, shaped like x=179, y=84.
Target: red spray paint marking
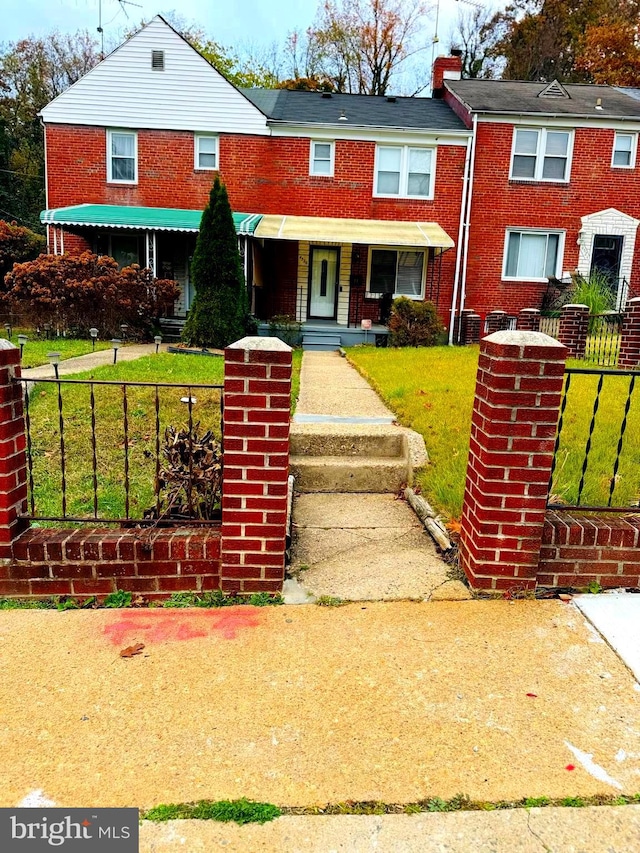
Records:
x=570, y=767
x=162, y=627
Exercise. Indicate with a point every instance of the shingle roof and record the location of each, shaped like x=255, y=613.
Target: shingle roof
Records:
x=298, y=107
x=514, y=96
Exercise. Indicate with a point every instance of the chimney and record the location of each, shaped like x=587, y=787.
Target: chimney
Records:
x=446, y=68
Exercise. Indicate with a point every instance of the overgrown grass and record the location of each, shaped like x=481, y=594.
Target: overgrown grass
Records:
x=36, y=348
x=240, y=811
x=182, y=370
x=431, y=390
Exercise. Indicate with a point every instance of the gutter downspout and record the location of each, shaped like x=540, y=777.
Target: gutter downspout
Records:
x=463, y=288
x=463, y=205
x=46, y=180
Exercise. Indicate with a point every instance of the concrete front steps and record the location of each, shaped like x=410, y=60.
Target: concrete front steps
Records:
x=329, y=457
x=321, y=341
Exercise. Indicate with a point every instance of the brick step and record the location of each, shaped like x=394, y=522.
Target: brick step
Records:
x=340, y=474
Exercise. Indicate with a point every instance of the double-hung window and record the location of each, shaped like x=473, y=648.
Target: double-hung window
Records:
x=206, y=151
x=321, y=158
x=122, y=156
x=397, y=271
x=624, y=150
x=404, y=171
x=532, y=255
x=541, y=155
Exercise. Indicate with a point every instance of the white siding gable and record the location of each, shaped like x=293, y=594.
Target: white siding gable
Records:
x=124, y=91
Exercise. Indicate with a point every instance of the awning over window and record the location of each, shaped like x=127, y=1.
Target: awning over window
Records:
x=146, y=218
x=371, y=232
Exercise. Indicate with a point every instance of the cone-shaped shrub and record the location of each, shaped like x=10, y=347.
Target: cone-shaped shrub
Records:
x=219, y=312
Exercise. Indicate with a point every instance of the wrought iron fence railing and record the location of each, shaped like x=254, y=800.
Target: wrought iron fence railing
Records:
x=596, y=463
x=123, y=452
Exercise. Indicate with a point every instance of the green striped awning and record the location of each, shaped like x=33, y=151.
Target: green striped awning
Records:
x=147, y=218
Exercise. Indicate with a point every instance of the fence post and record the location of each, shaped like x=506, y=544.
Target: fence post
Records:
x=528, y=320
x=515, y=414
x=630, y=336
x=573, y=330
x=496, y=321
x=257, y=399
x=13, y=462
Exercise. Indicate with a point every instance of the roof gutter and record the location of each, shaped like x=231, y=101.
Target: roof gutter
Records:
x=347, y=124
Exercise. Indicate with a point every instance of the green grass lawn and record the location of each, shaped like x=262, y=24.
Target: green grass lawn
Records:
x=36, y=348
x=181, y=370
x=431, y=390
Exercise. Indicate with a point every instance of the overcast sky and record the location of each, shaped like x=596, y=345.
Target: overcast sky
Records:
x=230, y=22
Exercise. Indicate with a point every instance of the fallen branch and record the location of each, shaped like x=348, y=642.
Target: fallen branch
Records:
x=429, y=518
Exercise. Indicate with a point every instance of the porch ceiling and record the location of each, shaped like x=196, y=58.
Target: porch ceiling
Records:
x=367, y=231
x=145, y=218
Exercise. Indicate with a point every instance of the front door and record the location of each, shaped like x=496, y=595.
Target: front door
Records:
x=607, y=252
x=324, y=267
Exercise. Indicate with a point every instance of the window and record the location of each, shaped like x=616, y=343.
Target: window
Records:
x=122, y=156
x=404, y=171
x=541, y=155
x=206, y=152
x=321, y=159
x=532, y=255
x=400, y=272
x=624, y=150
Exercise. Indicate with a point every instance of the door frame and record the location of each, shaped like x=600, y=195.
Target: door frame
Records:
x=312, y=249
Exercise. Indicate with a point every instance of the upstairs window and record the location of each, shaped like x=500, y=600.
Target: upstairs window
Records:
x=321, y=158
x=541, y=155
x=122, y=156
x=399, y=272
x=624, y=151
x=403, y=171
x=206, y=152
x=532, y=255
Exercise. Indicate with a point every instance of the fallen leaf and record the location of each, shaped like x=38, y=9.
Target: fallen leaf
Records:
x=532, y=695
x=453, y=526
x=130, y=651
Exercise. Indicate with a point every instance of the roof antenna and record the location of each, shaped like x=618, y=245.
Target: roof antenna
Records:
x=100, y=27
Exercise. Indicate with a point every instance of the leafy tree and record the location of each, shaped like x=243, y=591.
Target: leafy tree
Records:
x=17, y=244
x=219, y=314
x=475, y=34
x=611, y=51
x=77, y=292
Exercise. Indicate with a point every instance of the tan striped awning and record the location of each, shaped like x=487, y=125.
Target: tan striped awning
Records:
x=370, y=232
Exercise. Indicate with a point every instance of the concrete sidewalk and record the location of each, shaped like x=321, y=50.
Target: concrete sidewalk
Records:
x=303, y=706
x=128, y=352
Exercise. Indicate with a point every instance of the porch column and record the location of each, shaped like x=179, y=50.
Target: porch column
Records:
x=151, y=260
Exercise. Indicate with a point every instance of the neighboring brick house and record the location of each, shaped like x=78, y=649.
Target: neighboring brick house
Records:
x=555, y=188
x=346, y=197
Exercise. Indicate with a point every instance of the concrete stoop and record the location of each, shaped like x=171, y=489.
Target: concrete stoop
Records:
x=349, y=458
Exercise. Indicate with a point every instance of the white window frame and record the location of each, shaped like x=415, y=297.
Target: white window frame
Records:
x=404, y=171
x=397, y=249
x=312, y=157
x=123, y=132
x=545, y=231
x=634, y=148
x=196, y=152
x=540, y=154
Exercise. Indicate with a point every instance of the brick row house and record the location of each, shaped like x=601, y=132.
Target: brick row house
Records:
x=472, y=198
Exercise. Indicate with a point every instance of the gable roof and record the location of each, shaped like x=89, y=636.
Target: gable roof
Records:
x=124, y=90
x=519, y=97
x=315, y=108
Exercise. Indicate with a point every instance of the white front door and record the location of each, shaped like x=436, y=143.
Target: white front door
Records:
x=323, y=281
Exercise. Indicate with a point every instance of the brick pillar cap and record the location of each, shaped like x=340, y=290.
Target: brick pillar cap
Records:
x=530, y=311
x=524, y=339
x=261, y=343
x=635, y=300
x=497, y=311
x=575, y=305
x=5, y=344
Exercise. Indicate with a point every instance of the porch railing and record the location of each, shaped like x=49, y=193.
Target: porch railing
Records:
x=122, y=452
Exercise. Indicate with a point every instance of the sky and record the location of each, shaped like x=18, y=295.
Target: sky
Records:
x=229, y=22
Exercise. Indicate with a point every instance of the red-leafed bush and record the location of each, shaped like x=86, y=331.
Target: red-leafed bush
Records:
x=17, y=244
x=77, y=292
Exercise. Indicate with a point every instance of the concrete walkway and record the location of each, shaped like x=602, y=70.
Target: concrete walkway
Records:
x=128, y=352
x=359, y=546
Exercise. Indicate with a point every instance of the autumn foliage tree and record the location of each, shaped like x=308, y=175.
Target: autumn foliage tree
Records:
x=17, y=244
x=88, y=290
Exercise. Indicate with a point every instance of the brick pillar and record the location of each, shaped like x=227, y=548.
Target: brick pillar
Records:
x=528, y=320
x=13, y=462
x=471, y=328
x=574, y=326
x=630, y=336
x=496, y=321
x=515, y=414
x=257, y=397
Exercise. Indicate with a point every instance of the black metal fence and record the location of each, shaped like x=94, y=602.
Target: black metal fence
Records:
x=596, y=464
x=121, y=452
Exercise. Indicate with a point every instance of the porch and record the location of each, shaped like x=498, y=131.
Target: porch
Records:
x=328, y=335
